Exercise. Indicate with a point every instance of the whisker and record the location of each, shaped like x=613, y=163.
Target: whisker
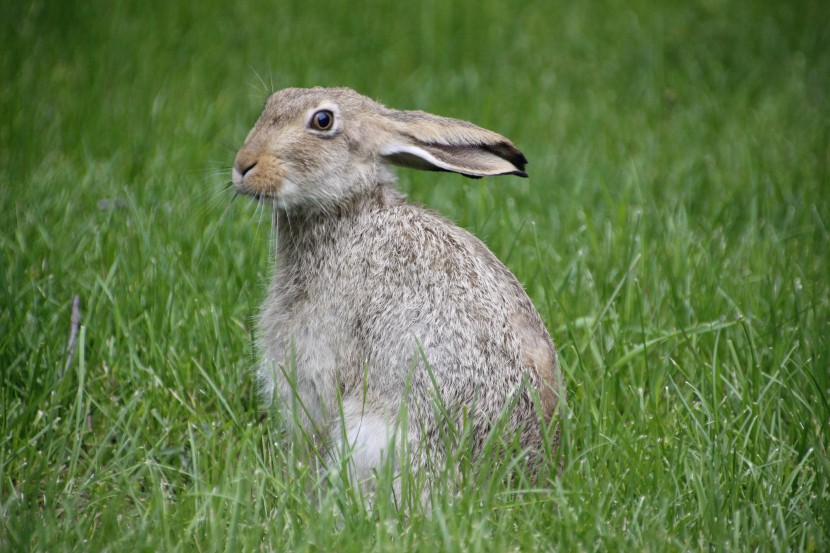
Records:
x=212, y=234
x=214, y=194
x=230, y=146
x=259, y=211
x=262, y=82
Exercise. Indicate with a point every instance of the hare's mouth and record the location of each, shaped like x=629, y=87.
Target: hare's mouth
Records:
x=257, y=185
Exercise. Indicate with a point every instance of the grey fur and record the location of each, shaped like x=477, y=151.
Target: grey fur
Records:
x=368, y=287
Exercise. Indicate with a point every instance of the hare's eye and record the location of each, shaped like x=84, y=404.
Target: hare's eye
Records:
x=322, y=120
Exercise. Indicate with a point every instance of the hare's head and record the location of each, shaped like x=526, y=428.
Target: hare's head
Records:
x=318, y=147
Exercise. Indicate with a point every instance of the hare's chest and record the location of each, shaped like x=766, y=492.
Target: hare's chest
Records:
x=299, y=358
x=303, y=327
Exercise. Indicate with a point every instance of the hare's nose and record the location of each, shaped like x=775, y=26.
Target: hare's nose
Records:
x=244, y=163
x=244, y=169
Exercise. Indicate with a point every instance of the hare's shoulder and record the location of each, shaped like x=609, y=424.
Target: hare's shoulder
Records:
x=409, y=245
x=408, y=226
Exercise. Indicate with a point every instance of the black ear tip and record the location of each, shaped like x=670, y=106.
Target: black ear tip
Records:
x=509, y=152
x=520, y=162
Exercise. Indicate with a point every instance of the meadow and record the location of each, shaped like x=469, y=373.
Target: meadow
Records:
x=674, y=234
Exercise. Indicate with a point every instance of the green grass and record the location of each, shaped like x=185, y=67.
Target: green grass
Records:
x=674, y=234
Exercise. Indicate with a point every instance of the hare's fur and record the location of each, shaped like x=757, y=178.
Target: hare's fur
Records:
x=377, y=303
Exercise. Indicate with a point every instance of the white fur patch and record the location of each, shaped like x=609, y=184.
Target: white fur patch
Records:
x=289, y=194
x=370, y=438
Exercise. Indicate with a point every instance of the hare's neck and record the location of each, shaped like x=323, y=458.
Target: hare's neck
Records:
x=304, y=235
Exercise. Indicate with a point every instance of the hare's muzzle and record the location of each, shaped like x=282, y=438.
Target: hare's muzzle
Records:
x=257, y=174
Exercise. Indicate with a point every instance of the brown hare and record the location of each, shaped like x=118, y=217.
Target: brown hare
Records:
x=377, y=304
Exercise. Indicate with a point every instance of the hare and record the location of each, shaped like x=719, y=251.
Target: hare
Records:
x=377, y=304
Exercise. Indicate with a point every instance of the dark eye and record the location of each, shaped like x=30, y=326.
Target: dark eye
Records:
x=322, y=120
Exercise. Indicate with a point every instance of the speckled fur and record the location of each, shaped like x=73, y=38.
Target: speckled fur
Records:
x=368, y=288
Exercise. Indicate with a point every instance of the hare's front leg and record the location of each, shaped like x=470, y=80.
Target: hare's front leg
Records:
x=301, y=380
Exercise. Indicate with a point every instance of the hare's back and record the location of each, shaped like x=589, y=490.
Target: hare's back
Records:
x=434, y=293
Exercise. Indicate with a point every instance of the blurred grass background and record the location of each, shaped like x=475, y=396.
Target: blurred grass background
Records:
x=674, y=235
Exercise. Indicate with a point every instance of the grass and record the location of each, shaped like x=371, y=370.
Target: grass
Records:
x=674, y=234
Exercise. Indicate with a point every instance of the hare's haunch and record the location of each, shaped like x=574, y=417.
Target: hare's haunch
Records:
x=377, y=304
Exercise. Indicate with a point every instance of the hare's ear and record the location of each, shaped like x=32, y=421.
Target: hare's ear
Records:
x=423, y=141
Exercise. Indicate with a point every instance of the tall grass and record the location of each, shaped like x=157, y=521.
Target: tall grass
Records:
x=674, y=234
